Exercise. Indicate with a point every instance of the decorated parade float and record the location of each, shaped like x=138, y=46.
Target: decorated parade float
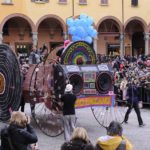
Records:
x=45, y=82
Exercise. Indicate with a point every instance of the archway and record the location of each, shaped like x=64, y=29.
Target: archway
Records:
x=17, y=32
x=108, y=37
x=51, y=33
x=135, y=43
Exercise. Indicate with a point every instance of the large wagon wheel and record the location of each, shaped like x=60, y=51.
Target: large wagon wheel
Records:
x=105, y=114
x=46, y=108
x=10, y=82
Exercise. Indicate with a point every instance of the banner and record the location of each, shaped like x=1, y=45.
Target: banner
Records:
x=103, y=100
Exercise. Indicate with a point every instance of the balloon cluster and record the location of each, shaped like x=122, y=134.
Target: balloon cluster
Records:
x=81, y=28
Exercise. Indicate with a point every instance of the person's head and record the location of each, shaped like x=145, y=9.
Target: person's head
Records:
x=80, y=133
x=114, y=129
x=68, y=88
x=19, y=118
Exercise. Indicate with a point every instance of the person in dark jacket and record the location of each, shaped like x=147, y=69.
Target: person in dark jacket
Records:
x=79, y=141
x=21, y=133
x=68, y=100
x=133, y=96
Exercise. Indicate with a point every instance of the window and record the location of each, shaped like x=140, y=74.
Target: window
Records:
x=82, y=1
x=7, y=1
x=62, y=1
x=40, y=1
x=134, y=2
x=104, y=2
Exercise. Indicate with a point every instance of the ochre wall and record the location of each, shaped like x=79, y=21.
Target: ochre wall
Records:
x=35, y=11
x=93, y=8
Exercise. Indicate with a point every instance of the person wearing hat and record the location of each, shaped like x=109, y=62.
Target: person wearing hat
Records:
x=68, y=100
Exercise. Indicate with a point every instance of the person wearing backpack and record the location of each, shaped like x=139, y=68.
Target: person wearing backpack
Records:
x=114, y=140
x=20, y=134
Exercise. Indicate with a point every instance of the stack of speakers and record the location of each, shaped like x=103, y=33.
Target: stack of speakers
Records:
x=86, y=79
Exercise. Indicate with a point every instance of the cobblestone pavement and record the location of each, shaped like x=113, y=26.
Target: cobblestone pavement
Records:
x=139, y=136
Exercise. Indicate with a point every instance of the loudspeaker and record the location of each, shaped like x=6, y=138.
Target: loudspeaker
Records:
x=74, y=76
x=105, y=79
x=86, y=79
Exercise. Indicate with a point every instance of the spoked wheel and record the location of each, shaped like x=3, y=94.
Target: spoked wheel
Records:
x=48, y=120
x=105, y=114
x=46, y=109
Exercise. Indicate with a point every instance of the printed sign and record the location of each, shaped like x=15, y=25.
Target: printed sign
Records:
x=103, y=100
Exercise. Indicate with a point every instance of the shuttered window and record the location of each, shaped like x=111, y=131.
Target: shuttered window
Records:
x=134, y=2
x=62, y=1
x=45, y=1
x=104, y=2
x=82, y=1
x=7, y=1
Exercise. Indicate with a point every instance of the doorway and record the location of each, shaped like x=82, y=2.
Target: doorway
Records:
x=138, y=44
x=113, y=49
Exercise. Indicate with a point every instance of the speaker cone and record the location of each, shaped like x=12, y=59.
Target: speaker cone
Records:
x=103, y=83
x=77, y=82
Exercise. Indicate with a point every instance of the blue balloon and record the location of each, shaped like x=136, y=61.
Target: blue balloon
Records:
x=81, y=32
x=83, y=23
x=94, y=33
x=70, y=22
x=75, y=38
x=71, y=30
x=77, y=22
x=90, y=30
x=90, y=21
x=88, y=39
x=81, y=28
x=83, y=16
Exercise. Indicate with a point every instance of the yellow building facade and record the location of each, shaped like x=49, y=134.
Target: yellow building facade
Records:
x=123, y=26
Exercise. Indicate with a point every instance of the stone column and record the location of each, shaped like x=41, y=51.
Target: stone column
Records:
x=146, y=38
x=121, y=44
x=34, y=38
x=95, y=44
x=1, y=37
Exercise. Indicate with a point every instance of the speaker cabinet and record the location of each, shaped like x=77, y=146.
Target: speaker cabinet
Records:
x=86, y=79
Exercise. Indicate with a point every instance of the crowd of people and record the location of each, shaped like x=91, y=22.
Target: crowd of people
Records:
x=113, y=140
x=128, y=70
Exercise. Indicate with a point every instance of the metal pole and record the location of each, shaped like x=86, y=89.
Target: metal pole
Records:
x=72, y=7
x=122, y=53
